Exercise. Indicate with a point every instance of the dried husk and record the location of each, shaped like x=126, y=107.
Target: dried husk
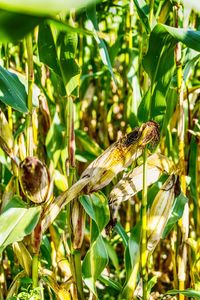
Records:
x=34, y=179
x=78, y=224
x=119, y=156
x=160, y=211
x=23, y=257
x=6, y=136
x=103, y=169
x=132, y=183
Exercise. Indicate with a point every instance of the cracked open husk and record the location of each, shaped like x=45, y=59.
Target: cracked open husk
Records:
x=105, y=167
x=132, y=183
x=120, y=155
x=160, y=211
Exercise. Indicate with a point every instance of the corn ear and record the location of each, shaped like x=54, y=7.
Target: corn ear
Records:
x=119, y=156
x=6, y=137
x=78, y=224
x=34, y=179
x=132, y=183
x=23, y=257
x=103, y=169
x=160, y=212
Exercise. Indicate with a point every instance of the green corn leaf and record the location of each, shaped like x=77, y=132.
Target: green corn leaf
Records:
x=91, y=13
x=176, y=214
x=96, y=206
x=94, y=263
x=111, y=283
x=188, y=293
x=159, y=64
x=143, y=10
x=88, y=143
x=17, y=221
x=132, y=257
x=96, y=258
x=47, y=48
x=12, y=91
x=69, y=66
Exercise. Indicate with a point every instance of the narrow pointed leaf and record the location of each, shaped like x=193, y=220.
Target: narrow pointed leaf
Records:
x=12, y=91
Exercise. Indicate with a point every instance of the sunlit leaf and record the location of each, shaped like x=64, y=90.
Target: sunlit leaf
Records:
x=12, y=91
x=17, y=221
x=188, y=293
x=132, y=257
x=91, y=13
x=159, y=64
x=96, y=206
x=143, y=10
x=176, y=214
x=42, y=7
x=47, y=48
x=94, y=262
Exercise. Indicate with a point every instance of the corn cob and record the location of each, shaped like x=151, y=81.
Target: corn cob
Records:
x=160, y=211
x=102, y=170
x=34, y=179
x=119, y=156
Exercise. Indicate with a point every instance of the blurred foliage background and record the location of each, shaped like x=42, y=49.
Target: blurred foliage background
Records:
x=74, y=78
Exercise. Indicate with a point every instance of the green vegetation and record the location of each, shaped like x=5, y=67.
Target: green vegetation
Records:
x=99, y=149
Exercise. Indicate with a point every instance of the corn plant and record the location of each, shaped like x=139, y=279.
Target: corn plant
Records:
x=99, y=149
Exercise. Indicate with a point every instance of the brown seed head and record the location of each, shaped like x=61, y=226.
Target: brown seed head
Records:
x=149, y=133
x=34, y=179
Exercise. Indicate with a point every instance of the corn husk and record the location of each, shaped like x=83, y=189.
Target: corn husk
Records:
x=119, y=156
x=59, y=202
x=78, y=224
x=160, y=211
x=132, y=183
x=22, y=146
x=6, y=136
x=103, y=169
x=34, y=179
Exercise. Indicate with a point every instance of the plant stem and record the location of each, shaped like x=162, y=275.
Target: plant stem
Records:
x=35, y=263
x=79, y=282
x=151, y=12
x=75, y=257
x=143, y=251
x=182, y=255
x=29, y=47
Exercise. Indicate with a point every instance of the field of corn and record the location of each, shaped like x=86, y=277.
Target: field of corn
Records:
x=99, y=149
